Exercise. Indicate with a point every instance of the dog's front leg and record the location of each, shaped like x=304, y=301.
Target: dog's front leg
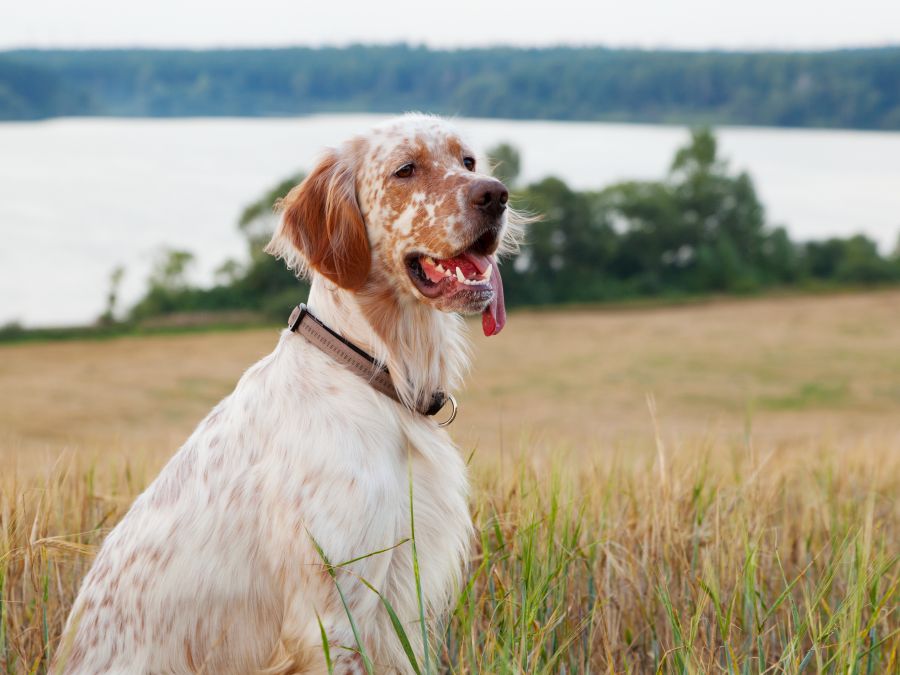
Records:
x=294, y=656
x=300, y=648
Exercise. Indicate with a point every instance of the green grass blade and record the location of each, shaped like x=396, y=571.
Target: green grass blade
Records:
x=330, y=569
x=398, y=628
x=418, y=577
x=326, y=650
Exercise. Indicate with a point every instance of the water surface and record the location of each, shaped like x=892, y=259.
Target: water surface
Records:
x=81, y=196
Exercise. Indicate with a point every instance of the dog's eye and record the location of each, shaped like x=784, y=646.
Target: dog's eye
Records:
x=469, y=163
x=405, y=171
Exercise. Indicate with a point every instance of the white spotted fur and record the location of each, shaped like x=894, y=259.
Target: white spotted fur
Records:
x=213, y=569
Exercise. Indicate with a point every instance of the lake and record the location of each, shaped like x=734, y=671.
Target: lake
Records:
x=80, y=196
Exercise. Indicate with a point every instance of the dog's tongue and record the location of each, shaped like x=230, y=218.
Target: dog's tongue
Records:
x=493, y=318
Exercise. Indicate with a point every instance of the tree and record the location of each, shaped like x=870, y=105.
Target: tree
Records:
x=861, y=262
x=229, y=272
x=258, y=219
x=112, y=297
x=266, y=278
x=701, y=228
x=168, y=285
x=700, y=156
x=505, y=163
x=845, y=88
x=170, y=271
x=568, y=248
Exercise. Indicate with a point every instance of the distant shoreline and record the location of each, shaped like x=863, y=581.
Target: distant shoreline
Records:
x=834, y=89
x=386, y=115
x=180, y=323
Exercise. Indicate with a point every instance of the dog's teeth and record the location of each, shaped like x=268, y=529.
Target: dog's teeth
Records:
x=440, y=268
x=460, y=276
x=487, y=273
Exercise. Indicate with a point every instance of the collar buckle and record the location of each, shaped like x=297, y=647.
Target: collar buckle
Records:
x=297, y=316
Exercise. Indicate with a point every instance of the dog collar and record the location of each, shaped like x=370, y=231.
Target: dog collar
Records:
x=304, y=323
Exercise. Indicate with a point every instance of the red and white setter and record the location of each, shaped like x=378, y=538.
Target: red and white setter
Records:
x=218, y=567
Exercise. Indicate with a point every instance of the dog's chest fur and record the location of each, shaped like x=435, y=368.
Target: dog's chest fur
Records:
x=215, y=566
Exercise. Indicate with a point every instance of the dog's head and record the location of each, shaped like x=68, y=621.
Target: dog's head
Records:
x=406, y=206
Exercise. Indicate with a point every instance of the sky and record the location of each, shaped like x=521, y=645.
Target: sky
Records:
x=681, y=24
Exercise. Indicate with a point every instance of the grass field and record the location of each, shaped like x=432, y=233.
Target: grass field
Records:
x=706, y=488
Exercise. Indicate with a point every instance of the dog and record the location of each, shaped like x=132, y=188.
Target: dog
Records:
x=292, y=506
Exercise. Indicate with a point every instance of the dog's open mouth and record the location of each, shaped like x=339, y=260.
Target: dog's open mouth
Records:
x=471, y=276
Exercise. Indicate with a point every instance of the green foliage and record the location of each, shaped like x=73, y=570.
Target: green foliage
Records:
x=257, y=221
x=569, y=250
x=505, y=163
x=32, y=91
x=855, y=260
x=168, y=283
x=112, y=298
x=262, y=285
x=170, y=270
x=849, y=88
x=701, y=229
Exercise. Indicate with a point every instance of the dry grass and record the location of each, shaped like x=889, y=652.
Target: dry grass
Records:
x=754, y=527
x=799, y=368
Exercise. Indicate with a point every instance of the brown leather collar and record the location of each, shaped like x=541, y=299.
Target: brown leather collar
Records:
x=345, y=352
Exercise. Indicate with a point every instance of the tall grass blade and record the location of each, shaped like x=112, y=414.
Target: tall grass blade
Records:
x=331, y=572
x=398, y=628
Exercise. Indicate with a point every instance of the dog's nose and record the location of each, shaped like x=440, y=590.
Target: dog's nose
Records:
x=489, y=196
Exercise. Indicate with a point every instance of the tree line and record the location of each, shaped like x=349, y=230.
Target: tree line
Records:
x=700, y=229
x=846, y=88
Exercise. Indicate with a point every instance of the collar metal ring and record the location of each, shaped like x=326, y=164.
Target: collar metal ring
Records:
x=453, y=412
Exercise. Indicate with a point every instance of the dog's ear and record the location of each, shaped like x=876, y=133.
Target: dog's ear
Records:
x=322, y=222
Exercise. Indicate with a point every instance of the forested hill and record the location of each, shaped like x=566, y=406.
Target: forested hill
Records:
x=849, y=88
